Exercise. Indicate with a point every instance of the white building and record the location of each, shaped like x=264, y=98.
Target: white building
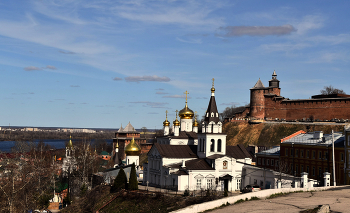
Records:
x=190, y=160
x=69, y=162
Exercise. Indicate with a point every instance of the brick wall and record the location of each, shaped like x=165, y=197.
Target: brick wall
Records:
x=307, y=109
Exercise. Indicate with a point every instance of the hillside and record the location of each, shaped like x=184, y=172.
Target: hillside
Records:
x=269, y=134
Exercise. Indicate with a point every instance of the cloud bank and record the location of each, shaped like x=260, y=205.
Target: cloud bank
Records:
x=147, y=78
x=232, y=31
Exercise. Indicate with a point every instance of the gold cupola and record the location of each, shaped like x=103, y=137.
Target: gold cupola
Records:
x=195, y=123
x=132, y=149
x=176, y=122
x=166, y=122
x=70, y=143
x=186, y=113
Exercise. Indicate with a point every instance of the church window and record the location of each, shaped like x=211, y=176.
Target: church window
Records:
x=217, y=114
x=219, y=145
x=209, y=183
x=212, y=114
x=212, y=145
x=239, y=183
x=199, y=183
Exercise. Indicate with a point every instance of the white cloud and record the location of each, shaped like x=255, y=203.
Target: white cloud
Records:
x=257, y=30
x=31, y=68
x=191, y=41
x=308, y=23
x=150, y=104
x=117, y=79
x=175, y=96
x=147, y=78
x=50, y=67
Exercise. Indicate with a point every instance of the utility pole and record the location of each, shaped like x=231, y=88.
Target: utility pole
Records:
x=334, y=183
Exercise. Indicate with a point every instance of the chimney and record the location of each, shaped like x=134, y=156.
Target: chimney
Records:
x=318, y=134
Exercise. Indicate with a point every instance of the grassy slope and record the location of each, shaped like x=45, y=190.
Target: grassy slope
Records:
x=266, y=134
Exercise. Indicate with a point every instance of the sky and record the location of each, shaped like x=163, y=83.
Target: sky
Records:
x=104, y=63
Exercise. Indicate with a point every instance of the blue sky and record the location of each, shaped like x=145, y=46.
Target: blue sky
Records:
x=104, y=63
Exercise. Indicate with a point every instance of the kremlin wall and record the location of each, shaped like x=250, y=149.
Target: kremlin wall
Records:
x=266, y=103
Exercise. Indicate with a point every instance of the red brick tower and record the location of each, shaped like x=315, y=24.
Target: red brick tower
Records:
x=274, y=85
x=257, y=101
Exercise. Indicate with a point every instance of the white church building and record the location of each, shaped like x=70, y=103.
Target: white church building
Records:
x=188, y=159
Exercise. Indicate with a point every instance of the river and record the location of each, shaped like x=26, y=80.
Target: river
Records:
x=5, y=146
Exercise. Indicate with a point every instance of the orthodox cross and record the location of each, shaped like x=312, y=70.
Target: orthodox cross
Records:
x=213, y=81
x=186, y=96
x=176, y=113
x=166, y=114
x=195, y=115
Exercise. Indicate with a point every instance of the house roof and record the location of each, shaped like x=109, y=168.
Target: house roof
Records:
x=198, y=164
x=104, y=153
x=182, y=135
x=176, y=151
x=195, y=164
x=310, y=139
x=238, y=152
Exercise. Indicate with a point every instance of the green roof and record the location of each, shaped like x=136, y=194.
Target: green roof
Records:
x=104, y=153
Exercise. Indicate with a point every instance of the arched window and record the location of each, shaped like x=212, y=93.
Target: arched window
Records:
x=212, y=145
x=219, y=145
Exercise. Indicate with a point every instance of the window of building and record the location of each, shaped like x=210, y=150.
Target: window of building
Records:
x=268, y=162
x=307, y=169
x=301, y=168
x=302, y=153
x=342, y=156
x=291, y=153
x=296, y=169
x=272, y=162
x=319, y=155
x=277, y=164
x=326, y=155
x=296, y=152
x=199, y=183
x=263, y=161
x=239, y=183
x=219, y=145
x=286, y=152
x=313, y=171
x=209, y=183
x=259, y=161
x=307, y=153
x=212, y=145
x=319, y=171
x=313, y=154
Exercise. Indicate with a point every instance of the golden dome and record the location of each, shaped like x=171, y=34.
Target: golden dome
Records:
x=132, y=149
x=166, y=122
x=195, y=123
x=186, y=113
x=70, y=143
x=176, y=122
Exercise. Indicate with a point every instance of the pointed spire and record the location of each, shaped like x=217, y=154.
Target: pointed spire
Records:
x=212, y=111
x=258, y=84
x=212, y=88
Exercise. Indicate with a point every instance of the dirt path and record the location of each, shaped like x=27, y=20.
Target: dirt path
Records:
x=338, y=199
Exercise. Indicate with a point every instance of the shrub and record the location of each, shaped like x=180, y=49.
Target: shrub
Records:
x=133, y=183
x=120, y=181
x=254, y=198
x=239, y=201
x=186, y=192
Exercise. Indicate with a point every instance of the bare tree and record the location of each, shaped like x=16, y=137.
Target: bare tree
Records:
x=329, y=90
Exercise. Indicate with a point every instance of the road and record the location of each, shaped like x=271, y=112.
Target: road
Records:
x=338, y=199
